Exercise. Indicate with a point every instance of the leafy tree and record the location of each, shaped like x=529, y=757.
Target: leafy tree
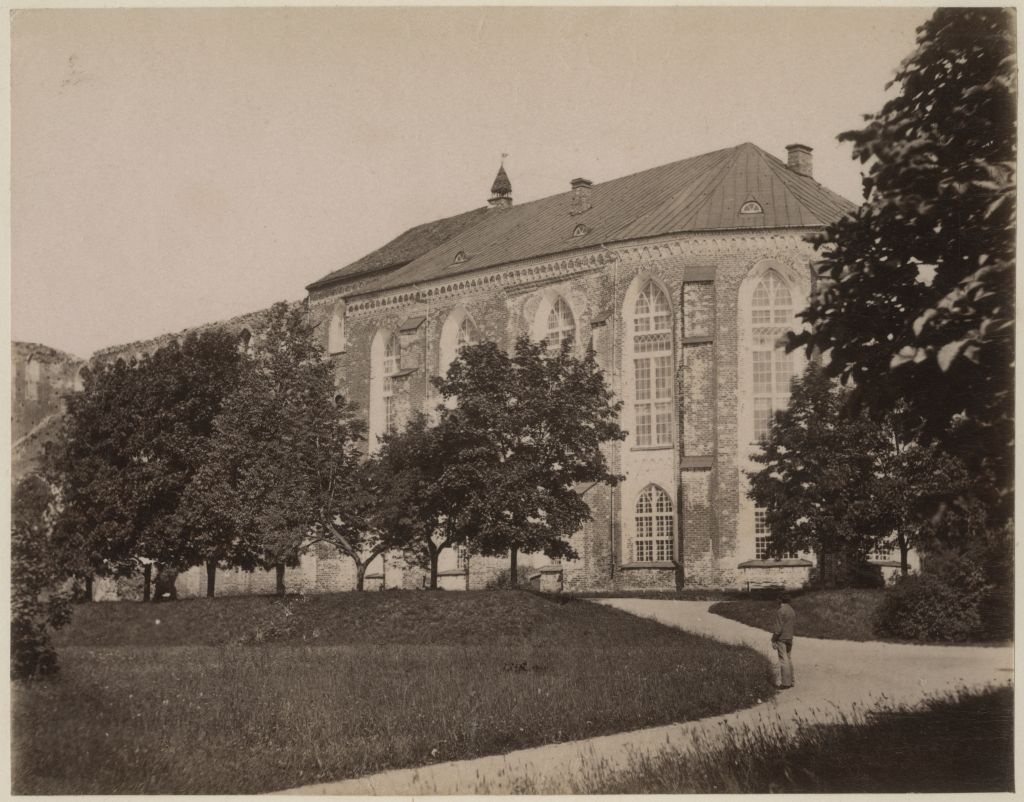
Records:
x=134, y=439
x=526, y=432
x=282, y=471
x=418, y=510
x=915, y=299
x=37, y=603
x=843, y=485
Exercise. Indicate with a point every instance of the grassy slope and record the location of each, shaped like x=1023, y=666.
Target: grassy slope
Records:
x=843, y=614
x=961, y=744
x=255, y=694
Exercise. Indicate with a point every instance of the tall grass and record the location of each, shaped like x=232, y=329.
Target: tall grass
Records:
x=961, y=743
x=254, y=695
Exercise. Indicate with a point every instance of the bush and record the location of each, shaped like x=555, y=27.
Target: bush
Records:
x=503, y=580
x=943, y=604
x=36, y=605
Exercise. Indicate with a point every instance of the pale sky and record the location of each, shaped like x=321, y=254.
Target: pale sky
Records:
x=175, y=167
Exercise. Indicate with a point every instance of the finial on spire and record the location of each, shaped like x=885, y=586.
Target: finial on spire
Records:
x=501, y=189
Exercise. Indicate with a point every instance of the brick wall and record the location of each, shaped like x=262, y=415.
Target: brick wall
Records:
x=701, y=471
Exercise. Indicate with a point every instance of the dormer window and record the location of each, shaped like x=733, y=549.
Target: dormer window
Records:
x=460, y=257
x=580, y=230
x=751, y=207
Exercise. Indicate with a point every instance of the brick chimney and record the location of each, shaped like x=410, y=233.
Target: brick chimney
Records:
x=800, y=160
x=580, y=195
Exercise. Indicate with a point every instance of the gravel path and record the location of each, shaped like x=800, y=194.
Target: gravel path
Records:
x=833, y=678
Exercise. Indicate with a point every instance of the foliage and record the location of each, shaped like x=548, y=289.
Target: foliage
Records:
x=279, y=475
x=418, y=510
x=843, y=484
x=941, y=604
x=527, y=431
x=843, y=614
x=134, y=439
x=355, y=683
x=915, y=297
x=37, y=604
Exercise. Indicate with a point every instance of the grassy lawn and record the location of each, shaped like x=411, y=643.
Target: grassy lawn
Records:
x=844, y=614
x=253, y=694
x=956, y=745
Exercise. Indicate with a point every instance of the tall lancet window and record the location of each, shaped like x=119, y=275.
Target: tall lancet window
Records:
x=652, y=367
x=391, y=362
x=771, y=316
x=561, y=326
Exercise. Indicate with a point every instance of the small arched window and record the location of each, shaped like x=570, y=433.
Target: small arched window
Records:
x=458, y=331
x=652, y=367
x=751, y=207
x=460, y=257
x=561, y=325
x=654, y=526
x=336, y=330
x=580, y=230
x=771, y=315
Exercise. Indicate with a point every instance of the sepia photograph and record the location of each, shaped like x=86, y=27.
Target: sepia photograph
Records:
x=489, y=400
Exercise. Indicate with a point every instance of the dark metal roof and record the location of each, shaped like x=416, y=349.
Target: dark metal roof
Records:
x=703, y=193
x=405, y=247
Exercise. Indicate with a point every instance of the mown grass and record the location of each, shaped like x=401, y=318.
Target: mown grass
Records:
x=959, y=744
x=246, y=695
x=846, y=614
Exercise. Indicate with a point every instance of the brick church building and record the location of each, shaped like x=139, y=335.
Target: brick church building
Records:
x=681, y=277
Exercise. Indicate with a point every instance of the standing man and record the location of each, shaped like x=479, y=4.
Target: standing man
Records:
x=782, y=641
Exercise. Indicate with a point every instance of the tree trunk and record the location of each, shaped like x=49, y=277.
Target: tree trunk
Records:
x=211, y=577
x=280, y=579
x=147, y=581
x=513, y=567
x=434, y=554
x=904, y=551
x=360, y=574
x=88, y=588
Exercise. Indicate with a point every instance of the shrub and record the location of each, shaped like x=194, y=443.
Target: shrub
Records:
x=504, y=580
x=942, y=604
x=36, y=605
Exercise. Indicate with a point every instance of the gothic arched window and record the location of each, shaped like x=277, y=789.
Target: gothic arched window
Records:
x=391, y=362
x=652, y=367
x=771, y=316
x=384, y=364
x=561, y=325
x=654, y=526
x=336, y=330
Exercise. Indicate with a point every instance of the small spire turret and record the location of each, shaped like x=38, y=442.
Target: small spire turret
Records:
x=501, y=189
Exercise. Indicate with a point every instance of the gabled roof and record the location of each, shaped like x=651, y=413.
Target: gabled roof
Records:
x=703, y=193
x=405, y=247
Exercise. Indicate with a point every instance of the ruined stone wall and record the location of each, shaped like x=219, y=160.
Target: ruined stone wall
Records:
x=41, y=379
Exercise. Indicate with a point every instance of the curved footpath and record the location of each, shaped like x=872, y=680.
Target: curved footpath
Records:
x=833, y=678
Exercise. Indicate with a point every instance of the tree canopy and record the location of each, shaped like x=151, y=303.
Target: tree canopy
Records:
x=843, y=485
x=281, y=469
x=37, y=604
x=134, y=438
x=914, y=300
x=526, y=431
